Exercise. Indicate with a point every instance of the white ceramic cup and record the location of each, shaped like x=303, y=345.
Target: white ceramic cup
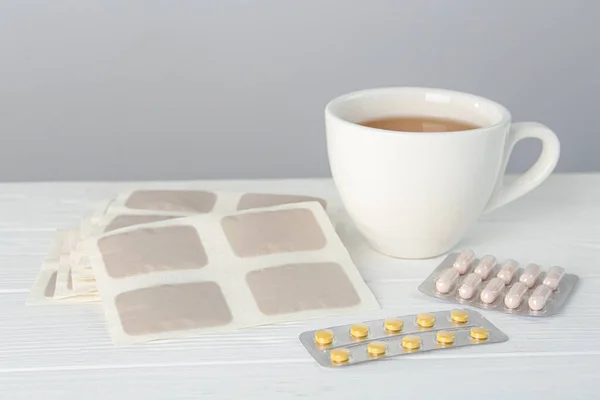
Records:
x=415, y=195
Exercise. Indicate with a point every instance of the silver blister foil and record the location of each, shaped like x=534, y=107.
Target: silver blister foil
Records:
x=358, y=348
x=553, y=305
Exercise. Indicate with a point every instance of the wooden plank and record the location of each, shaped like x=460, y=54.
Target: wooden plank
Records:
x=539, y=376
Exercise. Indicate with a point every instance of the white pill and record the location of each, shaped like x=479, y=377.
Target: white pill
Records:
x=552, y=279
x=491, y=291
x=514, y=297
x=539, y=297
x=445, y=281
x=530, y=275
x=463, y=261
x=469, y=286
x=485, y=266
x=507, y=271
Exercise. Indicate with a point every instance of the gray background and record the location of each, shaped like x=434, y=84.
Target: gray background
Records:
x=114, y=90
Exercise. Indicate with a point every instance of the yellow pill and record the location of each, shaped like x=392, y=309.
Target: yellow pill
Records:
x=459, y=316
x=411, y=342
x=425, y=320
x=394, y=325
x=479, y=333
x=324, y=337
x=376, y=349
x=445, y=337
x=339, y=356
x=359, y=331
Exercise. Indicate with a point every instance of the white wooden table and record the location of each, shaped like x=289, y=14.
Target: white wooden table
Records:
x=64, y=352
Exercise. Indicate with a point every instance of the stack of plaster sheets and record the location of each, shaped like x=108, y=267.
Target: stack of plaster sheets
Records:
x=173, y=263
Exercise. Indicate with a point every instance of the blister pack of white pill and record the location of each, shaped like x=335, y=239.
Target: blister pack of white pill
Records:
x=345, y=345
x=500, y=286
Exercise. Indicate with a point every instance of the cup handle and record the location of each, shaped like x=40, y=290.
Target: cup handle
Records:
x=535, y=175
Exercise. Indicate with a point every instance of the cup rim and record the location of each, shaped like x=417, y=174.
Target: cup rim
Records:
x=506, y=116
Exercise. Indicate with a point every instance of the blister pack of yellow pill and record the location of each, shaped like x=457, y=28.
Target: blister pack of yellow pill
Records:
x=484, y=283
x=345, y=345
